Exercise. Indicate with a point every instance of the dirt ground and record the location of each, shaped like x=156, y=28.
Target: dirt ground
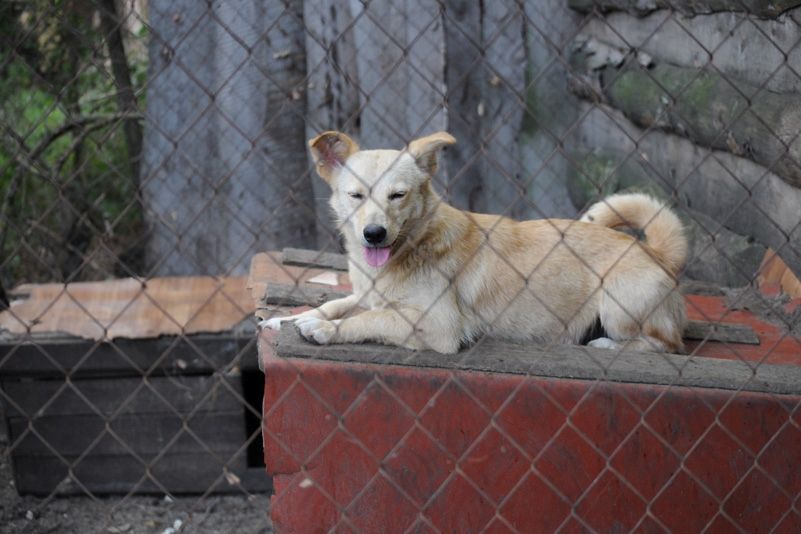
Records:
x=133, y=515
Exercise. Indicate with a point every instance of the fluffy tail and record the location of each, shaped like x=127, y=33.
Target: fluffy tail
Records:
x=664, y=233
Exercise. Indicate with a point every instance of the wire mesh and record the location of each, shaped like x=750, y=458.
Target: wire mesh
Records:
x=151, y=148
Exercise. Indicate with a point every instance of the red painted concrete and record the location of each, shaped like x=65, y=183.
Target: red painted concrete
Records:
x=373, y=448
x=776, y=345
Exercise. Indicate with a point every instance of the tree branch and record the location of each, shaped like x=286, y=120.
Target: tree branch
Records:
x=126, y=98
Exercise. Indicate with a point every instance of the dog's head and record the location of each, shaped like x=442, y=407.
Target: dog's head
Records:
x=377, y=194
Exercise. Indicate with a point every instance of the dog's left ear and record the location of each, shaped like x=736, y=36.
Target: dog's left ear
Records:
x=425, y=150
x=329, y=151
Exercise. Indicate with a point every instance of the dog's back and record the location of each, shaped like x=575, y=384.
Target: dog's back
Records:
x=550, y=280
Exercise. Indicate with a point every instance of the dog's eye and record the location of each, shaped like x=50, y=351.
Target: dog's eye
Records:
x=397, y=195
x=357, y=196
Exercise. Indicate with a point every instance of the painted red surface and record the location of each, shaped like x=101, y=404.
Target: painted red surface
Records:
x=377, y=448
x=776, y=346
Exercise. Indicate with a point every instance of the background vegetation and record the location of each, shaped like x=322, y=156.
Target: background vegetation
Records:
x=72, y=74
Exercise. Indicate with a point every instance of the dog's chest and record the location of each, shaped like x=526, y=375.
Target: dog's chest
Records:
x=386, y=290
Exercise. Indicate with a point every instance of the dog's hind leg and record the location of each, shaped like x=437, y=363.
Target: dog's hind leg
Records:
x=644, y=315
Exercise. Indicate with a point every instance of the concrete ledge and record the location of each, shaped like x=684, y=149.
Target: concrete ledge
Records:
x=563, y=361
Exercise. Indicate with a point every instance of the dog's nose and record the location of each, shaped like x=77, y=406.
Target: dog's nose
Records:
x=374, y=233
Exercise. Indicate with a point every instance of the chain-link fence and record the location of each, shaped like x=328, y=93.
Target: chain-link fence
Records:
x=153, y=150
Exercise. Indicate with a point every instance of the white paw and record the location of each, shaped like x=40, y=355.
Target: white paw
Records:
x=273, y=324
x=316, y=330
x=604, y=343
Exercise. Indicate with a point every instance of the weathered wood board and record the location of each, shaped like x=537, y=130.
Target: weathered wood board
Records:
x=710, y=109
x=140, y=434
x=314, y=258
x=759, y=8
x=32, y=398
x=55, y=356
x=759, y=52
x=562, y=361
x=727, y=333
x=128, y=308
x=120, y=474
x=120, y=370
x=299, y=295
x=189, y=425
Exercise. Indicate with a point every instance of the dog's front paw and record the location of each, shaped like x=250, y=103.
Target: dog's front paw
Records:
x=316, y=330
x=272, y=324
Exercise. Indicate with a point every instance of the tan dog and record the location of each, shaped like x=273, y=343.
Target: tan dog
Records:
x=432, y=276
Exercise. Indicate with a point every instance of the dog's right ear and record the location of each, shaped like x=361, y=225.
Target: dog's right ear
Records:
x=329, y=151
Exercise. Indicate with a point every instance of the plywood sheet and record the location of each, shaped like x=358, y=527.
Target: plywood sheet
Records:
x=139, y=309
x=129, y=308
x=774, y=272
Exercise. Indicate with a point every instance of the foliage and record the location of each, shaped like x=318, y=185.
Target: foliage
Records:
x=69, y=198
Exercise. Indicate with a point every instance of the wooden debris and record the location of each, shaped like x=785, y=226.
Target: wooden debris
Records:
x=723, y=332
x=314, y=258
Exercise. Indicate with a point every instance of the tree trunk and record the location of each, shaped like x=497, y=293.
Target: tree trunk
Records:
x=226, y=169
x=126, y=98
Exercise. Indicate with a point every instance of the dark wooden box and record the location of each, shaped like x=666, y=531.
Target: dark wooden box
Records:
x=143, y=416
x=173, y=413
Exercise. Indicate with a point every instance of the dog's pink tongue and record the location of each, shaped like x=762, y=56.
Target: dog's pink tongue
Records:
x=376, y=257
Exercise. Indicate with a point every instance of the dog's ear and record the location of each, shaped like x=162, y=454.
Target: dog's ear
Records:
x=329, y=151
x=425, y=150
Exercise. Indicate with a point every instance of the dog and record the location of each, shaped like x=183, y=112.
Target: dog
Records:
x=426, y=275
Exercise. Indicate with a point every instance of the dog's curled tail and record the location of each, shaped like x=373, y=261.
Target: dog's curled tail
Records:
x=663, y=230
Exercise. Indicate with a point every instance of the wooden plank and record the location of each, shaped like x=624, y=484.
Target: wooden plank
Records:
x=249, y=50
x=727, y=333
x=760, y=8
x=400, y=63
x=562, y=361
x=464, y=80
x=706, y=108
x=740, y=50
x=118, y=474
x=332, y=95
x=145, y=434
x=267, y=268
x=294, y=295
x=130, y=308
x=314, y=258
x=183, y=394
x=57, y=355
x=500, y=117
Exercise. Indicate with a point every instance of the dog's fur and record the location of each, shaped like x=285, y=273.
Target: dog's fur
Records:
x=453, y=275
